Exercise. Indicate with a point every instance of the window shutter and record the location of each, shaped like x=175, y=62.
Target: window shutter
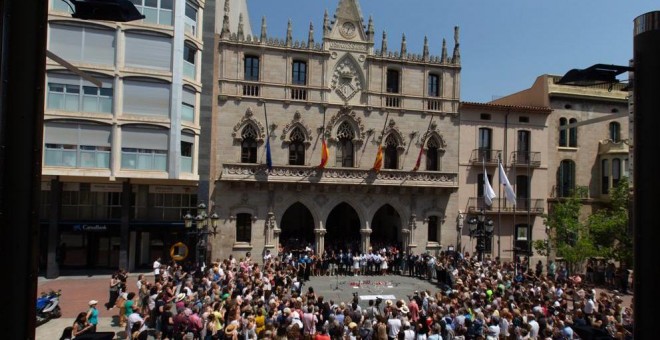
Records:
x=61, y=133
x=188, y=96
x=144, y=138
x=148, y=51
x=147, y=98
x=66, y=41
x=95, y=135
x=99, y=46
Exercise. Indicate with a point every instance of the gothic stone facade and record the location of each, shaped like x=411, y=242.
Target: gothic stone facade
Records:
x=296, y=95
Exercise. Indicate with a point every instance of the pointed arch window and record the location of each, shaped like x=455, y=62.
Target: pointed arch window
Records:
x=297, y=147
x=345, y=148
x=391, y=153
x=433, y=155
x=249, y=145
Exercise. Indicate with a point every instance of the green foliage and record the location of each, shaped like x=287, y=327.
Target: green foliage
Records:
x=568, y=237
x=609, y=227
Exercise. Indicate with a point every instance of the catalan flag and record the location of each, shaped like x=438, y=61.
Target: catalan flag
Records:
x=324, y=154
x=419, y=159
x=379, y=159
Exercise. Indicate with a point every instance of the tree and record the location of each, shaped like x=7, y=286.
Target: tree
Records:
x=568, y=237
x=608, y=227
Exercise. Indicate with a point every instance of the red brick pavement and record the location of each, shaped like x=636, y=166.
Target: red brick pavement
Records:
x=77, y=291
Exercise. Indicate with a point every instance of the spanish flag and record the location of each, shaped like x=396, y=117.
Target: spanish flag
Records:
x=324, y=155
x=379, y=159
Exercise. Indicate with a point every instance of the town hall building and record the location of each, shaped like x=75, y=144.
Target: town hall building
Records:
x=278, y=102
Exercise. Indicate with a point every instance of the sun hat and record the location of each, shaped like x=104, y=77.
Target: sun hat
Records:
x=230, y=329
x=180, y=297
x=287, y=310
x=93, y=302
x=388, y=302
x=404, y=309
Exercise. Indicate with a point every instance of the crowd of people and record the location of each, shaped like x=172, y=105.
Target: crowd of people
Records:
x=268, y=299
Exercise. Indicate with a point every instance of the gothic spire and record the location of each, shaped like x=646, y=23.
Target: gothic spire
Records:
x=404, y=46
x=310, y=38
x=456, y=58
x=240, y=33
x=289, y=34
x=443, y=58
x=225, y=22
x=326, y=23
x=264, y=34
x=384, y=44
x=370, y=29
x=426, y=49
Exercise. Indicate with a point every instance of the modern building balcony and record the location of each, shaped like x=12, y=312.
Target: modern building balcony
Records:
x=314, y=175
x=489, y=156
x=523, y=206
x=526, y=159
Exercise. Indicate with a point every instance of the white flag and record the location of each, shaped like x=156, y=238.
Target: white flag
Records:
x=489, y=193
x=508, y=189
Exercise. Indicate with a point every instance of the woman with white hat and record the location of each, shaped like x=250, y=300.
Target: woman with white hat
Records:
x=93, y=315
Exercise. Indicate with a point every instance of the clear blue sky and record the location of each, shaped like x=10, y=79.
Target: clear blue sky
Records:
x=505, y=44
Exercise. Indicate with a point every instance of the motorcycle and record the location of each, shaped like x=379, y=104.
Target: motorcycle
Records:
x=48, y=306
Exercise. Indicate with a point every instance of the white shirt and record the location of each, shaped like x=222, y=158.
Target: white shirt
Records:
x=589, y=307
x=394, y=325
x=534, y=331
x=156, y=267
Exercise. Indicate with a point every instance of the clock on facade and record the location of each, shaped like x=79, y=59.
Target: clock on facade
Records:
x=347, y=30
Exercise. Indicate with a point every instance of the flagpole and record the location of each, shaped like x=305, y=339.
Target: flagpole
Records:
x=513, y=240
x=499, y=212
x=267, y=135
x=421, y=148
x=379, y=153
x=323, y=145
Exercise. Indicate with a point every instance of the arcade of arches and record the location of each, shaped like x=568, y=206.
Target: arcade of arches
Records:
x=343, y=229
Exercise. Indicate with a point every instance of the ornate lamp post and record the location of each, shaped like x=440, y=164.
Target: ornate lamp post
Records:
x=204, y=226
x=482, y=229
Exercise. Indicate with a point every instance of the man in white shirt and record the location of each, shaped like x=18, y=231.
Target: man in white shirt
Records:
x=589, y=306
x=393, y=327
x=157, y=270
x=534, y=329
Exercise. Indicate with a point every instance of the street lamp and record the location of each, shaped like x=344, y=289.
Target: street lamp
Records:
x=481, y=228
x=201, y=230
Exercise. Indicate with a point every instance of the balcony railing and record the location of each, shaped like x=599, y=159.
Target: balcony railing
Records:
x=298, y=93
x=250, y=90
x=307, y=174
x=392, y=101
x=523, y=205
x=559, y=191
x=526, y=158
x=433, y=105
x=489, y=156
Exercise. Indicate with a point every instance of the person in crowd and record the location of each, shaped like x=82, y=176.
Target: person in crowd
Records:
x=80, y=325
x=92, y=316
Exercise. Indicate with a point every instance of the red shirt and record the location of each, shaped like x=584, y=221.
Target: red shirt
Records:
x=320, y=336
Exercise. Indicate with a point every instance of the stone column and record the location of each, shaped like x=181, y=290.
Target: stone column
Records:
x=459, y=230
x=412, y=225
x=268, y=230
x=366, y=238
x=319, y=235
x=405, y=240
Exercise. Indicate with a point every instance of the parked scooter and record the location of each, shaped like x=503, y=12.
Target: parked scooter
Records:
x=48, y=306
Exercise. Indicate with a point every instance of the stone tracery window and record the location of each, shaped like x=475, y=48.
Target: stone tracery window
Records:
x=433, y=154
x=249, y=144
x=391, y=152
x=297, y=147
x=345, y=148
